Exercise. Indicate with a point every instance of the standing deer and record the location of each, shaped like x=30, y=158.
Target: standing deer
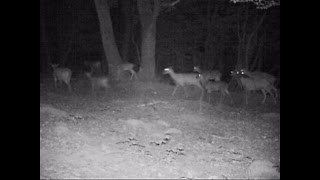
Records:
x=183, y=79
x=208, y=75
x=262, y=75
x=255, y=84
x=97, y=82
x=95, y=67
x=61, y=75
x=126, y=67
x=220, y=86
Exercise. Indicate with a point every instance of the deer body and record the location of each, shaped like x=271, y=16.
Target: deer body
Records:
x=219, y=86
x=95, y=67
x=126, y=67
x=98, y=82
x=61, y=75
x=256, y=83
x=259, y=74
x=262, y=75
x=208, y=75
x=183, y=79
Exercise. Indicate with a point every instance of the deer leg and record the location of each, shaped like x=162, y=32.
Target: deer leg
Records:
x=133, y=74
x=55, y=82
x=264, y=96
x=221, y=96
x=69, y=87
x=272, y=93
x=67, y=82
x=92, y=89
x=246, y=96
x=231, y=99
x=275, y=91
x=185, y=91
x=275, y=97
x=202, y=94
x=174, y=91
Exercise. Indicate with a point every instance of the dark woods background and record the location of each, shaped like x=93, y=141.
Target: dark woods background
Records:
x=213, y=34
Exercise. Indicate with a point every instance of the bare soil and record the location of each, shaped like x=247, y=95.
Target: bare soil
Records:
x=138, y=130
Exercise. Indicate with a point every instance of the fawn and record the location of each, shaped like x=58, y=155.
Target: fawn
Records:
x=211, y=86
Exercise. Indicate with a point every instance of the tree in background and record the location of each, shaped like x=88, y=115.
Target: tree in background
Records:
x=261, y=4
x=251, y=37
x=108, y=41
x=149, y=11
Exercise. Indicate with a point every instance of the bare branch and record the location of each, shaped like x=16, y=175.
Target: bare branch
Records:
x=261, y=4
x=170, y=4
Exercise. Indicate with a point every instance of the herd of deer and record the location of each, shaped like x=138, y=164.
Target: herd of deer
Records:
x=211, y=81
x=97, y=80
x=208, y=81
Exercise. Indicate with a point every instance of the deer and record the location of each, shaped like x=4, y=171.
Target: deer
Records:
x=183, y=79
x=208, y=75
x=259, y=74
x=262, y=75
x=61, y=75
x=97, y=82
x=126, y=67
x=95, y=67
x=255, y=84
x=219, y=86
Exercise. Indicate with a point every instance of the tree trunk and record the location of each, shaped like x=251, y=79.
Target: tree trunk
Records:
x=240, y=41
x=149, y=11
x=147, y=66
x=257, y=59
x=249, y=44
x=211, y=43
x=127, y=11
x=107, y=36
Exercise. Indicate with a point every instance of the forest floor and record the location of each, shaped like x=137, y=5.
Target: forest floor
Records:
x=138, y=130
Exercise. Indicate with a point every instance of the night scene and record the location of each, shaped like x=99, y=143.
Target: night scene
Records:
x=160, y=89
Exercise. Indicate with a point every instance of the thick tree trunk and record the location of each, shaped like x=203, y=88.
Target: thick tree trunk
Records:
x=149, y=11
x=107, y=36
x=148, y=47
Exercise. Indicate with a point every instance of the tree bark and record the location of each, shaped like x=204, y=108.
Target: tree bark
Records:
x=108, y=41
x=149, y=11
x=211, y=46
x=127, y=11
x=65, y=31
x=249, y=45
x=147, y=66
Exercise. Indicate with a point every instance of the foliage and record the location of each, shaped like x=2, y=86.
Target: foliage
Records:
x=261, y=4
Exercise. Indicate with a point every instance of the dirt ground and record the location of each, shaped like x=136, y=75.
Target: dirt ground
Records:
x=138, y=130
